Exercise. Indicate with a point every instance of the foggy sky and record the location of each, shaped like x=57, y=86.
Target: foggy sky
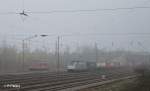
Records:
x=120, y=21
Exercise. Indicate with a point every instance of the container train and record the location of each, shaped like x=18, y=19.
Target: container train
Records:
x=89, y=66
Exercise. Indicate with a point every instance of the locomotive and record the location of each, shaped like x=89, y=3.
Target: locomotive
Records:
x=38, y=66
x=81, y=66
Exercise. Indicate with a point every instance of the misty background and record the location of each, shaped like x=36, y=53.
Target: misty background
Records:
x=116, y=33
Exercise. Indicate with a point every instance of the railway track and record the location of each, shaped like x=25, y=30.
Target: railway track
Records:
x=58, y=81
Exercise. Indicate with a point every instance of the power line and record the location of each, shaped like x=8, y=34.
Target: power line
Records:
x=87, y=10
x=107, y=34
x=77, y=10
x=8, y=13
x=81, y=34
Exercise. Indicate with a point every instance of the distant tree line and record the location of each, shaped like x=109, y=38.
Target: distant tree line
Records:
x=11, y=57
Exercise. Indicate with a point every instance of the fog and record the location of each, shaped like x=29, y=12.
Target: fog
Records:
x=119, y=21
x=114, y=31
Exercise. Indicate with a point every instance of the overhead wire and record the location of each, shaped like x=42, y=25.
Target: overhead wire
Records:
x=105, y=34
x=82, y=34
x=87, y=10
x=77, y=10
x=8, y=13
